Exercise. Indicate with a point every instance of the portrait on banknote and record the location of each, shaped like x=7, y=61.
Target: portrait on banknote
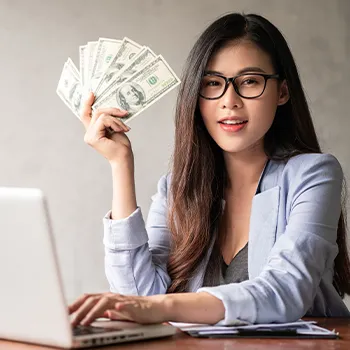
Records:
x=75, y=95
x=131, y=97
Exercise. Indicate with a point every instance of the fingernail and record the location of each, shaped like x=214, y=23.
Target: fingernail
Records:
x=84, y=322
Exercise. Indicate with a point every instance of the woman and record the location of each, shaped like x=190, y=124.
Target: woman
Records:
x=248, y=225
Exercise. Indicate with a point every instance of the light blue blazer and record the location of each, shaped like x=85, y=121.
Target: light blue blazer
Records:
x=292, y=246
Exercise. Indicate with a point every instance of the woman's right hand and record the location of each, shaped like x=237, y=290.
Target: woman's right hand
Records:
x=114, y=146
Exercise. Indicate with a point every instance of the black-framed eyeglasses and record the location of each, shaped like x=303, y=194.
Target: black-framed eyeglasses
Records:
x=247, y=85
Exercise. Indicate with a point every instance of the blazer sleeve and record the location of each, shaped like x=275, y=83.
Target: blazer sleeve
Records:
x=287, y=285
x=136, y=254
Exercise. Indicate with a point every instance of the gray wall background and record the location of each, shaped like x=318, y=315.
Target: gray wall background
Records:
x=42, y=141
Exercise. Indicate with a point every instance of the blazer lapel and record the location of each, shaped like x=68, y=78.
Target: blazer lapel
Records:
x=262, y=231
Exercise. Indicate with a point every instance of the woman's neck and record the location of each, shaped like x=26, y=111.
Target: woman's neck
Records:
x=244, y=168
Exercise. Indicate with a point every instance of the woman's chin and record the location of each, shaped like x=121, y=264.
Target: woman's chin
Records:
x=237, y=147
x=232, y=147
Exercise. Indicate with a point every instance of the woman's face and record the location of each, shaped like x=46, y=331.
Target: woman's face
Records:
x=258, y=113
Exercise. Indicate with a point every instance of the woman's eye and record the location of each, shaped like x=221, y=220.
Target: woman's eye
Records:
x=213, y=83
x=249, y=81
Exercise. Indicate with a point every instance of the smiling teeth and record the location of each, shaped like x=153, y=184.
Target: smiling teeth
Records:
x=232, y=122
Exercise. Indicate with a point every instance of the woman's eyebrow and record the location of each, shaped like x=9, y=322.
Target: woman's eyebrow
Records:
x=241, y=71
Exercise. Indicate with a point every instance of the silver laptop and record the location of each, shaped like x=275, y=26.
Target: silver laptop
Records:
x=32, y=304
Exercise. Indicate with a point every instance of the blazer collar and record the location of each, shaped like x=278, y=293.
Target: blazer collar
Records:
x=271, y=175
x=262, y=229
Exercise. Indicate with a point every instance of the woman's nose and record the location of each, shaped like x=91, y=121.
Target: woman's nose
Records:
x=231, y=99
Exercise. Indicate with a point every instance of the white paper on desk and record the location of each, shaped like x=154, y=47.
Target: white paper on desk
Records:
x=290, y=325
x=192, y=327
x=185, y=326
x=238, y=324
x=301, y=327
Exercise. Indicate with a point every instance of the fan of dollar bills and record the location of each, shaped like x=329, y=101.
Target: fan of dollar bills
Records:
x=120, y=73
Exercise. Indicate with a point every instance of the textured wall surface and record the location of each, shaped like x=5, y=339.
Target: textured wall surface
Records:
x=41, y=141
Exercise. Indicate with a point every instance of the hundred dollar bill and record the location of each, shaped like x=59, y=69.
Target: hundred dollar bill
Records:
x=73, y=68
x=142, y=89
x=139, y=61
x=127, y=51
x=82, y=63
x=106, y=50
x=90, y=53
x=69, y=88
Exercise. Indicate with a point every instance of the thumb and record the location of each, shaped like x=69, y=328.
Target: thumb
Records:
x=87, y=110
x=115, y=315
x=89, y=98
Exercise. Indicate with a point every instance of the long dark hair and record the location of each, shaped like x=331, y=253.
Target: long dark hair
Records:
x=198, y=169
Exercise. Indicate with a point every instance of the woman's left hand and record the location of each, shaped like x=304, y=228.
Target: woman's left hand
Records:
x=149, y=309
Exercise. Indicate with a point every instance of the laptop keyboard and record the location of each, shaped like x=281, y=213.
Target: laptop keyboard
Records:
x=86, y=330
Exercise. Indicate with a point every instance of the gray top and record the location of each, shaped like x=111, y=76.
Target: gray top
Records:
x=236, y=272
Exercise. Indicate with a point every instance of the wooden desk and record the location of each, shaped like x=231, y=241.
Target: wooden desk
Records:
x=185, y=342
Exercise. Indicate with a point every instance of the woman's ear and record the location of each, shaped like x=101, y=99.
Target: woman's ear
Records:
x=283, y=93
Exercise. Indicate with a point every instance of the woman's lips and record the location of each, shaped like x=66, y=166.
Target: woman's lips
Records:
x=233, y=127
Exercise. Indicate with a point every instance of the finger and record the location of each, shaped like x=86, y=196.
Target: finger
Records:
x=75, y=306
x=110, y=131
x=122, y=124
x=116, y=112
x=117, y=121
x=128, y=307
x=108, y=121
x=85, y=116
x=105, y=301
x=97, y=311
x=109, y=126
x=84, y=310
x=118, y=316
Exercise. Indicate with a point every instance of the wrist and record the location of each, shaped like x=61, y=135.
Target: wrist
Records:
x=193, y=308
x=125, y=160
x=169, y=302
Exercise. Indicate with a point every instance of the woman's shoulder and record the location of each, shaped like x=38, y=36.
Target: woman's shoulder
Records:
x=163, y=186
x=313, y=161
x=307, y=166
